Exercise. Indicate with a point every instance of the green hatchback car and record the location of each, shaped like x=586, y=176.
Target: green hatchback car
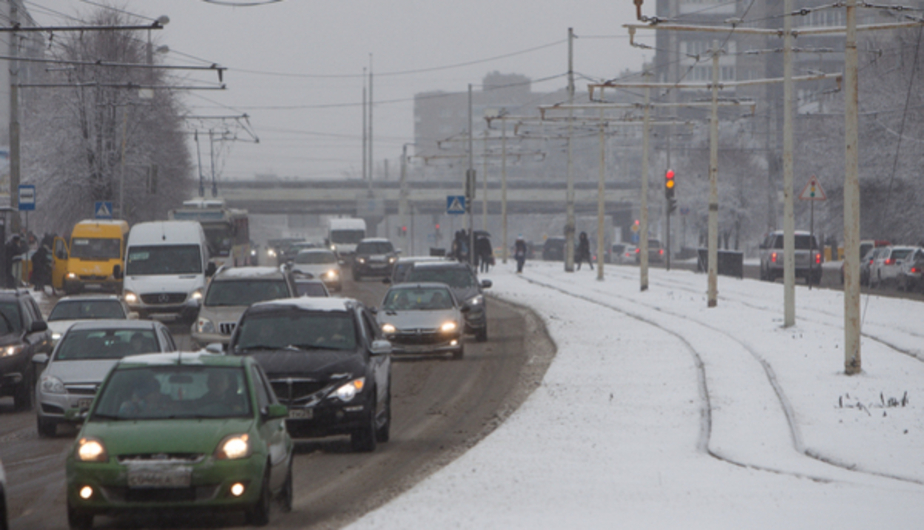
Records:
x=181, y=431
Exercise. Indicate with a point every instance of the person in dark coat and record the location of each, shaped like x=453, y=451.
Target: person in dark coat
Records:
x=41, y=268
x=15, y=247
x=484, y=252
x=583, y=251
x=519, y=253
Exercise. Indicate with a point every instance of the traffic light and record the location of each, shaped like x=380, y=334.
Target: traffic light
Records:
x=671, y=205
x=402, y=231
x=669, y=185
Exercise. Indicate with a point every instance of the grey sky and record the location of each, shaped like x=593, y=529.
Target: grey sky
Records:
x=295, y=67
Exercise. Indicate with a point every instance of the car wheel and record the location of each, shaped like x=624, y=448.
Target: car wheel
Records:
x=259, y=514
x=363, y=440
x=285, y=497
x=47, y=428
x=78, y=519
x=22, y=396
x=383, y=433
x=481, y=335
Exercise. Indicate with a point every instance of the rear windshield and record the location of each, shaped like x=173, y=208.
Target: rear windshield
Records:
x=314, y=258
x=901, y=253
x=239, y=292
x=803, y=242
x=93, y=248
x=376, y=247
x=190, y=391
x=105, y=344
x=311, y=289
x=297, y=330
x=86, y=310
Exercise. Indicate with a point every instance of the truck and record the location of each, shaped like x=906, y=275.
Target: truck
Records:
x=808, y=257
x=343, y=234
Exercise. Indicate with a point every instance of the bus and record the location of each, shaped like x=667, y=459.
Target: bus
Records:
x=227, y=229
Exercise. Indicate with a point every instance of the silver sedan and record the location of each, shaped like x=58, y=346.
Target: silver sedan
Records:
x=423, y=318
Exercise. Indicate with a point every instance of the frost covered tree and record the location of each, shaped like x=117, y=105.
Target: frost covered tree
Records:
x=97, y=131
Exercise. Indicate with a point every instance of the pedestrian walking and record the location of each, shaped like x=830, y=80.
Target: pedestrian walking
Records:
x=484, y=252
x=15, y=248
x=519, y=253
x=583, y=251
x=41, y=267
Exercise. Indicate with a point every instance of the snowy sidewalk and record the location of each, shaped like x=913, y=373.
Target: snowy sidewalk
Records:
x=658, y=412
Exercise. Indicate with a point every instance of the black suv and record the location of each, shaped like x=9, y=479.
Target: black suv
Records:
x=374, y=256
x=462, y=280
x=23, y=333
x=327, y=360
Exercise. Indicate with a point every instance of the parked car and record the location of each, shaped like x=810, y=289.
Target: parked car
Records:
x=911, y=275
x=310, y=287
x=808, y=256
x=554, y=249
x=423, y=318
x=461, y=278
x=81, y=360
x=230, y=292
x=623, y=253
x=866, y=248
x=327, y=360
x=23, y=333
x=181, y=431
x=886, y=267
x=319, y=263
x=655, y=252
x=71, y=309
x=374, y=257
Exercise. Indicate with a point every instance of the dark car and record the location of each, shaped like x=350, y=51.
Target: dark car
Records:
x=461, y=278
x=327, y=360
x=553, y=249
x=404, y=264
x=374, y=257
x=23, y=333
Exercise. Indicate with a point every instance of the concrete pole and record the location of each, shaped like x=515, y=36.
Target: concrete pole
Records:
x=122, y=164
x=713, y=243
x=371, y=159
x=504, y=187
x=569, y=193
x=14, y=122
x=471, y=168
x=601, y=201
x=365, y=131
x=643, y=214
x=789, y=238
x=484, y=185
x=402, y=199
x=852, y=363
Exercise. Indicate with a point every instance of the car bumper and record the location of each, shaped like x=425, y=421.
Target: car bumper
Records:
x=209, y=486
x=12, y=372
x=53, y=406
x=327, y=418
x=433, y=344
x=373, y=269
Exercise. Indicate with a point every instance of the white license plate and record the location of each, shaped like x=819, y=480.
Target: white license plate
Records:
x=150, y=477
x=301, y=414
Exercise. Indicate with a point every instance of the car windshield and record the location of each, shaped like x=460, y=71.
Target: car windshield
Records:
x=347, y=236
x=311, y=289
x=96, y=248
x=314, y=258
x=244, y=292
x=86, y=310
x=82, y=344
x=297, y=329
x=10, y=321
x=420, y=299
x=163, y=259
x=901, y=253
x=375, y=247
x=455, y=277
x=173, y=392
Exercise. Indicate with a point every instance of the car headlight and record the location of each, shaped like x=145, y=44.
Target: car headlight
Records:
x=392, y=259
x=52, y=385
x=333, y=247
x=448, y=327
x=361, y=260
x=196, y=295
x=91, y=449
x=476, y=300
x=204, y=325
x=71, y=276
x=11, y=350
x=388, y=328
x=130, y=297
x=233, y=447
x=271, y=253
x=333, y=273
x=56, y=336
x=348, y=391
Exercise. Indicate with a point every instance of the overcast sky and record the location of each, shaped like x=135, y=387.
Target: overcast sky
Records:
x=295, y=67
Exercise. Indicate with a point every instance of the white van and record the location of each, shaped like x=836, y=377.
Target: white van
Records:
x=344, y=234
x=166, y=268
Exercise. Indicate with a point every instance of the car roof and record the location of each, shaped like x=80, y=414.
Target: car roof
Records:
x=420, y=259
x=180, y=358
x=316, y=250
x=446, y=264
x=247, y=273
x=89, y=297
x=375, y=240
x=307, y=304
x=112, y=323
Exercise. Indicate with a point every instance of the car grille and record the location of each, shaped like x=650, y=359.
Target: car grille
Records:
x=81, y=390
x=419, y=336
x=161, y=494
x=163, y=298
x=303, y=391
x=181, y=458
x=226, y=328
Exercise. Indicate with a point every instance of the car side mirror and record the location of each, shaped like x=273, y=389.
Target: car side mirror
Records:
x=133, y=315
x=40, y=359
x=275, y=411
x=38, y=325
x=381, y=347
x=374, y=310
x=486, y=284
x=216, y=348
x=117, y=272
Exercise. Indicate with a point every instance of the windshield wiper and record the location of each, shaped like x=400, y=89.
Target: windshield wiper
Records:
x=256, y=347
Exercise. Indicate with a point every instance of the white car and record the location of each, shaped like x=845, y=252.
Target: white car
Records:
x=887, y=265
x=78, y=308
x=321, y=264
x=623, y=253
x=423, y=318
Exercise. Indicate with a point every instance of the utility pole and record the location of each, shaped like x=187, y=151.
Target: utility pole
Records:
x=402, y=197
x=371, y=99
x=506, y=251
x=789, y=223
x=713, y=221
x=569, y=194
x=601, y=202
x=470, y=182
x=643, y=213
x=365, y=130
x=852, y=363
x=14, y=120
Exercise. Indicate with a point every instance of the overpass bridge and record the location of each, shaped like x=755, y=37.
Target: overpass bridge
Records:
x=356, y=198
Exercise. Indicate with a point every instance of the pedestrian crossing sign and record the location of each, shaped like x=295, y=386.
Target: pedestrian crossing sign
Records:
x=103, y=210
x=455, y=204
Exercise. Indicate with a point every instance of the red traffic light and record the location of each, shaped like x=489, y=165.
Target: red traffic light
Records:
x=669, y=179
x=437, y=226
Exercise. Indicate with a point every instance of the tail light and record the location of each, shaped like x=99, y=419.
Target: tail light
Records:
x=773, y=257
x=637, y=250
x=889, y=261
x=661, y=252
x=817, y=258
x=915, y=270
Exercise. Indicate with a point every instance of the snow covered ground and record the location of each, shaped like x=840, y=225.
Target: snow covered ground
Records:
x=659, y=412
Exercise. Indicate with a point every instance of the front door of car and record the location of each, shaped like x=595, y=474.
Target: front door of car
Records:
x=59, y=269
x=381, y=364
x=272, y=430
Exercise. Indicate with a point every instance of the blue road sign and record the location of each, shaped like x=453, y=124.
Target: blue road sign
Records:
x=455, y=204
x=102, y=210
x=26, y=197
